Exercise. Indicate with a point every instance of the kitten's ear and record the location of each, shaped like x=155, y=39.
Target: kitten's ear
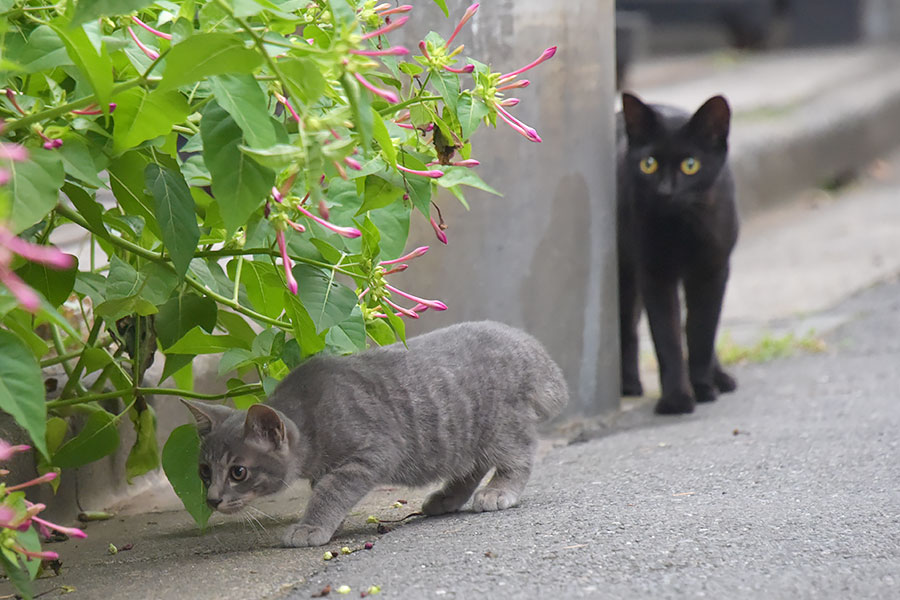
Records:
x=711, y=122
x=640, y=120
x=206, y=415
x=264, y=426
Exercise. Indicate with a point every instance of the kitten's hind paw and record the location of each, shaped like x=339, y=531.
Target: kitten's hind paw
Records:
x=675, y=404
x=705, y=392
x=301, y=536
x=490, y=499
x=724, y=382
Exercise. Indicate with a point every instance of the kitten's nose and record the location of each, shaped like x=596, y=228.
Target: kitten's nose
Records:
x=214, y=502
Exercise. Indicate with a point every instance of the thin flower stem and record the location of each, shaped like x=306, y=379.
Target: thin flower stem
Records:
x=237, y=279
x=52, y=113
x=75, y=376
x=271, y=252
x=412, y=101
x=157, y=391
x=62, y=358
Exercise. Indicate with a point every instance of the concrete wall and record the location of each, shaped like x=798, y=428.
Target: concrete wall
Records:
x=542, y=257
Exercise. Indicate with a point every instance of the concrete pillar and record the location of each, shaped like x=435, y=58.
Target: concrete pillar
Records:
x=542, y=257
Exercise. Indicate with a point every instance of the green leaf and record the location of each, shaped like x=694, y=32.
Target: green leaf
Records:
x=327, y=302
x=142, y=115
x=239, y=184
x=174, y=364
x=359, y=104
x=97, y=66
x=159, y=281
x=92, y=285
x=349, y=336
x=18, y=575
x=176, y=214
x=126, y=178
x=54, y=284
x=86, y=206
x=43, y=51
x=465, y=176
x=30, y=541
x=196, y=341
x=98, y=438
x=22, y=389
x=447, y=84
x=123, y=280
x=56, y=433
x=303, y=78
x=88, y=10
x=78, y=161
x=245, y=101
x=380, y=332
x=232, y=359
x=278, y=156
x=144, y=455
x=381, y=135
x=442, y=4
x=263, y=284
x=304, y=329
x=33, y=187
x=378, y=193
x=180, y=457
x=206, y=54
x=181, y=314
x=470, y=111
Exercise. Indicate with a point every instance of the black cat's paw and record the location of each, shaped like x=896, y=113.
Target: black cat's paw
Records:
x=705, y=392
x=724, y=382
x=632, y=388
x=675, y=404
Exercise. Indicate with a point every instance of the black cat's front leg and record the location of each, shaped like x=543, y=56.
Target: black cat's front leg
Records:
x=664, y=313
x=333, y=495
x=704, y=292
x=629, y=315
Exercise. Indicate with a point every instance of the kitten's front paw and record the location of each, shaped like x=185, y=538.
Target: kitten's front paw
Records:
x=490, y=499
x=675, y=404
x=440, y=504
x=301, y=536
x=724, y=382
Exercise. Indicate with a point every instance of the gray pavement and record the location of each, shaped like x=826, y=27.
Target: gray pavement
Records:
x=788, y=488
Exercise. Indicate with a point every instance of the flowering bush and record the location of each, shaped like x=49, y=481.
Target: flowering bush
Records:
x=264, y=158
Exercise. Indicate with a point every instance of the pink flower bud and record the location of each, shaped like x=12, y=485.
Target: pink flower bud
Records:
x=13, y=152
x=441, y=236
x=386, y=94
x=165, y=36
x=36, y=481
x=466, y=69
x=7, y=450
x=152, y=54
x=414, y=254
x=433, y=173
x=387, y=28
x=395, y=51
x=524, y=83
x=69, y=531
x=349, y=232
x=545, y=55
x=468, y=15
x=435, y=304
x=400, y=9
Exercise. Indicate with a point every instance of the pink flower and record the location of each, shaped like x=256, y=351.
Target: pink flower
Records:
x=518, y=125
x=509, y=102
x=94, y=110
x=286, y=262
x=545, y=55
x=523, y=83
x=47, y=255
x=468, y=15
x=469, y=162
x=395, y=51
x=414, y=254
x=11, y=96
x=349, y=232
x=46, y=477
x=69, y=531
x=287, y=105
x=386, y=94
x=381, y=12
x=353, y=163
x=465, y=69
x=7, y=450
x=433, y=173
x=438, y=230
x=165, y=36
x=387, y=28
x=152, y=54
x=435, y=304
x=13, y=152
x=45, y=555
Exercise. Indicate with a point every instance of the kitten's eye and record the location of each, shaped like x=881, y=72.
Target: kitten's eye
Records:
x=649, y=165
x=238, y=473
x=690, y=166
x=205, y=472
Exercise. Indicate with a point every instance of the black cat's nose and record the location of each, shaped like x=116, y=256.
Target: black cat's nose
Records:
x=214, y=502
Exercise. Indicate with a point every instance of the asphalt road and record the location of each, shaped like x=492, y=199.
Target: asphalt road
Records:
x=788, y=488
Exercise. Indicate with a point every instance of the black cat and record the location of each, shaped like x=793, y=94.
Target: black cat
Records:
x=677, y=223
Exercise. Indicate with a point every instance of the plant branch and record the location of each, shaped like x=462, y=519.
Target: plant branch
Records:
x=243, y=390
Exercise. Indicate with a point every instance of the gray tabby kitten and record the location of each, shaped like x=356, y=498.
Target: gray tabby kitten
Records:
x=461, y=401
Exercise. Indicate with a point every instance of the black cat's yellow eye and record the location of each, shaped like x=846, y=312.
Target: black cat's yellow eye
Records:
x=205, y=472
x=649, y=165
x=690, y=166
x=238, y=473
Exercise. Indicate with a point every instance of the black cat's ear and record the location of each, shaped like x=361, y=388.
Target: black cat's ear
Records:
x=640, y=119
x=206, y=415
x=711, y=122
x=264, y=426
